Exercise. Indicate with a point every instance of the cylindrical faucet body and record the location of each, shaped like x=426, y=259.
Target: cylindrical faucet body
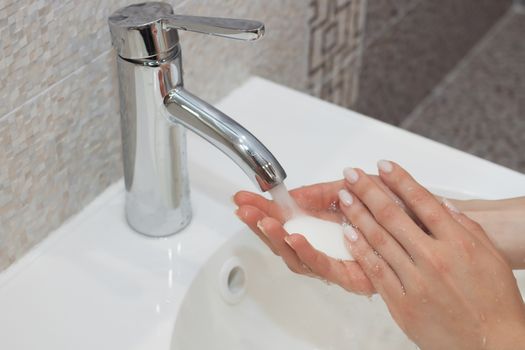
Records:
x=155, y=110
x=154, y=150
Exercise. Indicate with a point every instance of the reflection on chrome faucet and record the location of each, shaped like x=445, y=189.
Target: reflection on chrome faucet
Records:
x=156, y=109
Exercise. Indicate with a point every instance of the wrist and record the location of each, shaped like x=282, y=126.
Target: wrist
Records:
x=503, y=222
x=505, y=337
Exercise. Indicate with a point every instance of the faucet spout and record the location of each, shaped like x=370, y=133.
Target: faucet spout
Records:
x=227, y=135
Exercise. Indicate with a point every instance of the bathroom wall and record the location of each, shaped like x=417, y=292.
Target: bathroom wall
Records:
x=59, y=122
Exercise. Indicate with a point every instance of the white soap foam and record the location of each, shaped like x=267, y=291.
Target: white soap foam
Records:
x=325, y=236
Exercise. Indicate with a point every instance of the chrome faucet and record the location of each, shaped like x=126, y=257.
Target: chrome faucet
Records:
x=155, y=109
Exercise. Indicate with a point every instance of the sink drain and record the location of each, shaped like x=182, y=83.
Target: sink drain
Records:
x=232, y=281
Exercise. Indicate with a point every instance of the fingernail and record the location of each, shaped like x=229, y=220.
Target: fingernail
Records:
x=261, y=227
x=448, y=204
x=385, y=166
x=287, y=240
x=345, y=197
x=350, y=233
x=351, y=175
x=238, y=213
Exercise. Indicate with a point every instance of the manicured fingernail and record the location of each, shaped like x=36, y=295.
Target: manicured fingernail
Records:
x=261, y=227
x=351, y=175
x=385, y=166
x=288, y=241
x=345, y=197
x=350, y=233
x=451, y=207
x=238, y=213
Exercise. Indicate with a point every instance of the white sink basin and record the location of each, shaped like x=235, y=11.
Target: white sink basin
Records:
x=96, y=284
x=278, y=310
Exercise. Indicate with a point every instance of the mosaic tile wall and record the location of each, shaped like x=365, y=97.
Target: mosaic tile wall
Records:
x=335, y=38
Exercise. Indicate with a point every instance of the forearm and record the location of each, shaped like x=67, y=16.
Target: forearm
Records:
x=504, y=222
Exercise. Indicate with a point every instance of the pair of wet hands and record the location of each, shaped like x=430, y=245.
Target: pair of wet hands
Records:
x=444, y=282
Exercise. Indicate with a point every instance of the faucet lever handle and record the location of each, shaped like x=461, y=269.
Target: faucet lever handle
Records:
x=238, y=29
x=147, y=30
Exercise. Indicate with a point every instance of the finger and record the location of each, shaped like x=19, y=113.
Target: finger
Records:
x=319, y=200
x=315, y=199
x=394, y=198
x=390, y=194
x=418, y=199
x=251, y=216
x=347, y=274
x=386, y=212
x=383, y=278
x=378, y=238
x=318, y=197
x=255, y=200
x=276, y=234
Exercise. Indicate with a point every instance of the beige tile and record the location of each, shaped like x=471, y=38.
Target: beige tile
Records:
x=213, y=66
x=63, y=148
x=42, y=42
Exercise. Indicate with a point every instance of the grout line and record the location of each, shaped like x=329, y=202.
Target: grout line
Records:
x=50, y=87
x=451, y=76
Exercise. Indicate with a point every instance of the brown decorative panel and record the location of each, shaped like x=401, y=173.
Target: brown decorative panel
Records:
x=335, y=31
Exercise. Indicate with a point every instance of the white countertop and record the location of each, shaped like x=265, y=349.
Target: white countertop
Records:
x=95, y=284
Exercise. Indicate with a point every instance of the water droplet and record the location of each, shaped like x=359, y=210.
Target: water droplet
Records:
x=334, y=207
x=377, y=254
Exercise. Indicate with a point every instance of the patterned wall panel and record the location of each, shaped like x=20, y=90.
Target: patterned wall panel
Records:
x=335, y=39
